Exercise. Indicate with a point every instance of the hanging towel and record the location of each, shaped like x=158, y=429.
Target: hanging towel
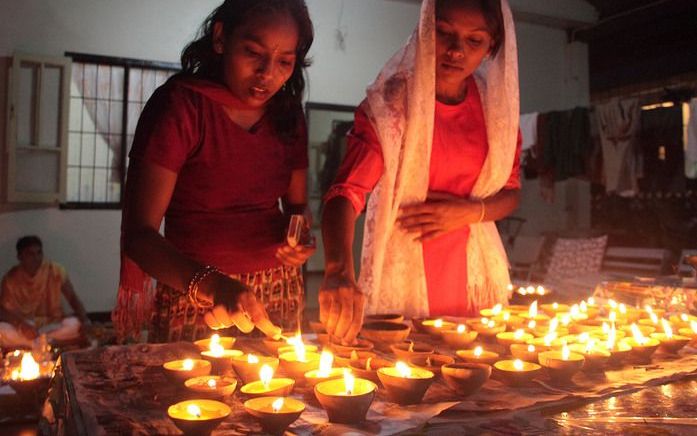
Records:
x=528, y=128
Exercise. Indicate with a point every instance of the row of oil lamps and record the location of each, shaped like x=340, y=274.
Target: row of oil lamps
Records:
x=556, y=339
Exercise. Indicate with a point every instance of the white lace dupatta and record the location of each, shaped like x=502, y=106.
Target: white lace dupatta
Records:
x=401, y=105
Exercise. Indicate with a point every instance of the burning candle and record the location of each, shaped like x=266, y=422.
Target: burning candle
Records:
x=219, y=357
x=267, y=385
x=554, y=308
x=517, y=337
x=296, y=363
x=187, y=368
x=346, y=400
x=516, y=372
x=670, y=343
x=533, y=313
x=561, y=365
x=690, y=332
x=642, y=347
x=526, y=352
x=227, y=342
x=436, y=326
x=491, y=312
x=478, y=355
x=405, y=385
x=459, y=337
x=325, y=371
x=683, y=320
x=198, y=416
x=247, y=366
x=274, y=414
x=595, y=356
x=213, y=387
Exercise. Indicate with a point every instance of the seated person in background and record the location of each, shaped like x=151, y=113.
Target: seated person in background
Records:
x=30, y=299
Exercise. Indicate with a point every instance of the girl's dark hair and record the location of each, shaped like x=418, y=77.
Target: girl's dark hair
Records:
x=27, y=241
x=198, y=58
x=491, y=9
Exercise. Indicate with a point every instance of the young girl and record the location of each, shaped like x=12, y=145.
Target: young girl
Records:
x=435, y=142
x=215, y=150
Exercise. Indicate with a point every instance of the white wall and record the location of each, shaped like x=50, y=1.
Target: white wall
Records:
x=553, y=76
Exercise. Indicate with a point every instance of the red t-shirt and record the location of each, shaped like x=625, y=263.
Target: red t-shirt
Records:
x=224, y=209
x=458, y=152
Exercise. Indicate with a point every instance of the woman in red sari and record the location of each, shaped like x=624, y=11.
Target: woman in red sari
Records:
x=215, y=150
x=436, y=141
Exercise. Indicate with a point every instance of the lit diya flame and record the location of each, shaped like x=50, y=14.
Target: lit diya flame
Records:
x=591, y=301
x=684, y=317
x=575, y=311
x=533, y=310
x=491, y=324
x=188, y=364
x=438, y=323
x=666, y=328
x=613, y=317
x=522, y=291
x=530, y=289
x=484, y=320
x=265, y=375
x=555, y=306
x=349, y=381
x=215, y=338
x=605, y=327
x=623, y=309
x=251, y=358
x=518, y=335
x=638, y=336
x=277, y=405
x=478, y=351
x=518, y=365
x=590, y=345
x=211, y=383
x=325, y=363
x=654, y=318
x=693, y=326
x=532, y=324
x=612, y=303
x=648, y=309
x=565, y=353
x=217, y=350
x=584, y=337
x=510, y=287
x=404, y=370
x=540, y=290
x=553, y=324
x=583, y=307
x=565, y=320
x=461, y=328
x=193, y=410
x=531, y=348
x=299, y=348
x=611, y=339
x=28, y=369
x=497, y=309
x=548, y=338
x=506, y=316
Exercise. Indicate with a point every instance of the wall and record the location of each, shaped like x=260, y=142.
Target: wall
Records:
x=553, y=76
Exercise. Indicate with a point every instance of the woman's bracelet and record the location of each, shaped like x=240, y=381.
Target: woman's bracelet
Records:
x=481, y=216
x=193, y=288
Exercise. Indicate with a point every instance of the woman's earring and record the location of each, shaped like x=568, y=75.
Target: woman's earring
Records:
x=218, y=47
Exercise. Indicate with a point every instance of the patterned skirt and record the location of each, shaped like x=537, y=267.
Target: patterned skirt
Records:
x=280, y=290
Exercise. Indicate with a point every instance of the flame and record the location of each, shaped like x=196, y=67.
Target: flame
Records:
x=510, y=286
x=693, y=325
x=194, y=410
x=648, y=309
x=553, y=324
x=188, y=365
x=522, y=291
x=684, y=317
x=590, y=345
x=623, y=309
x=583, y=307
x=484, y=320
x=478, y=351
x=215, y=339
x=438, y=323
x=533, y=310
x=277, y=405
x=565, y=320
x=349, y=381
x=555, y=306
x=265, y=375
x=654, y=318
x=299, y=348
x=565, y=353
x=591, y=301
x=497, y=309
x=461, y=328
x=549, y=337
x=532, y=324
x=606, y=327
x=531, y=348
x=530, y=289
x=506, y=316
x=666, y=328
x=403, y=369
x=211, y=383
x=584, y=337
x=367, y=364
x=251, y=358
x=638, y=336
x=217, y=350
x=612, y=303
x=325, y=363
x=28, y=368
x=491, y=324
x=613, y=317
x=518, y=335
x=575, y=311
x=518, y=365
x=540, y=290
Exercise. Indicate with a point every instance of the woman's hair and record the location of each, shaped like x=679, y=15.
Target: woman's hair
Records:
x=491, y=9
x=198, y=58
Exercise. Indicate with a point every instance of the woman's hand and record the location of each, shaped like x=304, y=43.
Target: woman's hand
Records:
x=439, y=214
x=235, y=304
x=294, y=256
x=341, y=305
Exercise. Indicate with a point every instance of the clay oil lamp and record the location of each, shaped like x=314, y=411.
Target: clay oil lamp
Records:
x=478, y=355
x=309, y=348
x=325, y=370
x=211, y=386
x=466, y=378
x=273, y=344
x=384, y=317
x=459, y=337
x=642, y=347
x=509, y=338
x=533, y=313
x=690, y=332
x=670, y=343
x=181, y=370
x=526, y=352
x=296, y=363
x=645, y=330
x=509, y=320
x=561, y=365
x=432, y=362
x=551, y=329
x=343, y=359
x=199, y=416
x=274, y=414
x=247, y=366
x=683, y=320
x=576, y=314
x=491, y=312
x=267, y=385
x=368, y=368
x=30, y=379
x=407, y=350
x=357, y=345
x=346, y=400
x=385, y=333
x=488, y=328
x=220, y=358
x=436, y=326
x=517, y=309
x=596, y=357
x=547, y=342
x=227, y=342
x=648, y=310
x=618, y=350
x=554, y=308
x=516, y=372
x=651, y=321
x=632, y=314
x=405, y=385
x=590, y=310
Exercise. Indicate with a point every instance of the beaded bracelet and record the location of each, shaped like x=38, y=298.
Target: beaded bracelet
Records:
x=192, y=290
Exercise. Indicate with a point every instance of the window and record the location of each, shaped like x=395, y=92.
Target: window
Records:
x=107, y=96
